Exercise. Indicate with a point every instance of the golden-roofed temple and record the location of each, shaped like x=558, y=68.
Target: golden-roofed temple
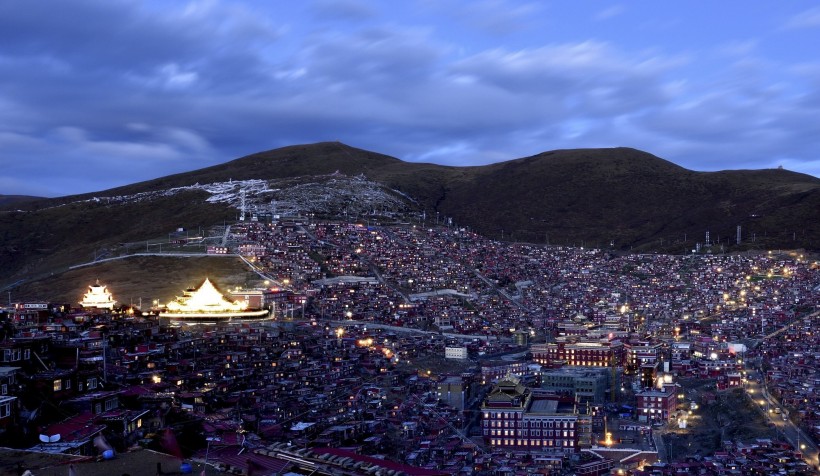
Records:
x=207, y=303
x=98, y=297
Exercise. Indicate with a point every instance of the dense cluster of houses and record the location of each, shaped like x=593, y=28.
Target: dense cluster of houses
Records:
x=338, y=374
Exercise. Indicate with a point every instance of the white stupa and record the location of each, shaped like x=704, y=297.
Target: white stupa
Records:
x=207, y=303
x=98, y=297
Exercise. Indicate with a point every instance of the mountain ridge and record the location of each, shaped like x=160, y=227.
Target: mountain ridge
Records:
x=618, y=198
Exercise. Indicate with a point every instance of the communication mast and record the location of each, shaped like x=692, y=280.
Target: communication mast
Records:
x=242, y=206
x=738, y=234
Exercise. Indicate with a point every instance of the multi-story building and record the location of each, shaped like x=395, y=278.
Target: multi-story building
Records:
x=454, y=391
x=579, y=352
x=513, y=418
x=581, y=384
x=641, y=353
x=8, y=380
x=454, y=352
x=498, y=369
x=657, y=405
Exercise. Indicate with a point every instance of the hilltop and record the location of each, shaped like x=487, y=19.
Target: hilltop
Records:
x=617, y=198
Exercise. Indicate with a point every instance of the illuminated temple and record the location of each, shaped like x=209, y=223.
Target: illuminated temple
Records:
x=207, y=303
x=98, y=297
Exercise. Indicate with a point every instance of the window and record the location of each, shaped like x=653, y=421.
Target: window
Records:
x=68, y=384
x=27, y=354
x=92, y=383
x=5, y=410
x=110, y=404
x=58, y=385
x=5, y=389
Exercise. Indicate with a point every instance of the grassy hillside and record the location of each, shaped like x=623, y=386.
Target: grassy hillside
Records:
x=620, y=197
x=133, y=279
x=633, y=199
x=49, y=240
x=8, y=201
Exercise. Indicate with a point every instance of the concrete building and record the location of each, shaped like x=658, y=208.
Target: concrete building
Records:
x=512, y=418
x=454, y=391
x=455, y=353
x=657, y=405
x=579, y=352
x=581, y=384
x=640, y=354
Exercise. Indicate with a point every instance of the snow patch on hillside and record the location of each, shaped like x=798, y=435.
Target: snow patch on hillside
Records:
x=334, y=194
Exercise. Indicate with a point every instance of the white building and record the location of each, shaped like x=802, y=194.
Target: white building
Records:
x=455, y=353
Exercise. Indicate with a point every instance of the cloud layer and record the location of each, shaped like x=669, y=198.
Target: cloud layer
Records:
x=100, y=93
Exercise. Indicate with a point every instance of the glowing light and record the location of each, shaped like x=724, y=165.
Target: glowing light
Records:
x=207, y=302
x=98, y=296
x=205, y=299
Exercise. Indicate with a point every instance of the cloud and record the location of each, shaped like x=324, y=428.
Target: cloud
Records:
x=346, y=10
x=587, y=78
x=736, y=48
x=493, y=17
x=73, y=152
x=97, y=87
x=806, y=19
x=385, y=55
x=609, y=12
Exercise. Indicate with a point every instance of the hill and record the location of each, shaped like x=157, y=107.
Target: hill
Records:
x=12, y=200
x=133, y=280
x=618, y=198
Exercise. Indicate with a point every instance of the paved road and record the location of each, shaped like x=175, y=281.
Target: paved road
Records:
x=791, y=323
x=759, y=393
x=660, y=445
x=408, y=330
x=770, y=407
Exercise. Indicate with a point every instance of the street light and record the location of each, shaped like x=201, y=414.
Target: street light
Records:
x=339, y=333
x=208, y=447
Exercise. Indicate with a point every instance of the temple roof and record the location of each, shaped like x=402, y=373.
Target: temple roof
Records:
x=98, y=296
x=509, y=390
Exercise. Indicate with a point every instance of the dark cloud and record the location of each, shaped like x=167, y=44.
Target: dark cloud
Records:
x=346, y=10
x=95, y=94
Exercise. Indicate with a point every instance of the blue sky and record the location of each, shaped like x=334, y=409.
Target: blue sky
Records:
x=100, y=93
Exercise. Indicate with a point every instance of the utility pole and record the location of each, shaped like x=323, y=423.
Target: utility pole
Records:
x=105, y=361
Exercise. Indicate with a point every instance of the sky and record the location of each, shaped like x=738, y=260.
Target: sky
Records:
x=101, y=93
